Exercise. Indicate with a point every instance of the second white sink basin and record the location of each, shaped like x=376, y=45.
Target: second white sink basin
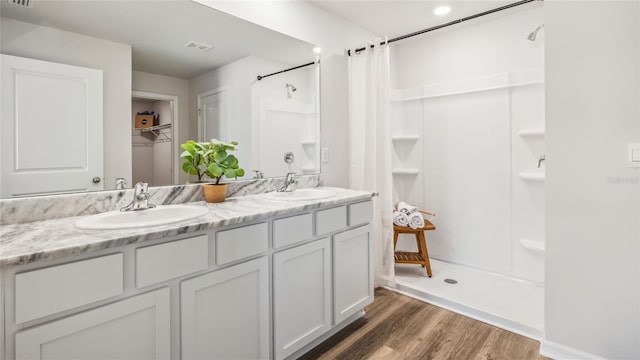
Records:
x=160, y=215
x=302, y=194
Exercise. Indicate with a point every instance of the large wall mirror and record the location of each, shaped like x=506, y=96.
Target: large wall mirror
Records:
x=98, y=94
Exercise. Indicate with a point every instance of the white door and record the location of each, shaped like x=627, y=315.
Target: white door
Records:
x=135, y=328
x=51, y=128
x=301, y=296
x=214, y=112
x=225, y=313
x=352, y=272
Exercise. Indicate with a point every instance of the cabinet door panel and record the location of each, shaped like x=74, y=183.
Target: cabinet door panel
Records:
x=225, y=313
x=352, y=272
x=135, y=328
x=302, y=295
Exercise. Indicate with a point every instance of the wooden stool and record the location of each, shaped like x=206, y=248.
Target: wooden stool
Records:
x=422, y=256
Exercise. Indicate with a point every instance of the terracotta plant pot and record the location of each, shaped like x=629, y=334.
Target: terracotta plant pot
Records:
x=215, y=193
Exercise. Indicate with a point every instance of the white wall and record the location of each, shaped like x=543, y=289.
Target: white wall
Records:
x=310, y=23
x=167, y=85
x=468, y=152
x=593, y=198
x=114, y=59
x=162, y=151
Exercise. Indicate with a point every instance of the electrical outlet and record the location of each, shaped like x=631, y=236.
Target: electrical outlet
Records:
x=324, y=155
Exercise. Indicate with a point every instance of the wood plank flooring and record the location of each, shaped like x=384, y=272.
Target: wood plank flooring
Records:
x=399, y=327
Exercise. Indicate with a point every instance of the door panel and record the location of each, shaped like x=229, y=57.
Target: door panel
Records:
x=302, y=296
x=51, y=128
x=225, y=313
x=134, y=328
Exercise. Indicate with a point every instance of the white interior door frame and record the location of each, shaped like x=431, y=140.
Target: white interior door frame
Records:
x=175, y=146
x=201, y=127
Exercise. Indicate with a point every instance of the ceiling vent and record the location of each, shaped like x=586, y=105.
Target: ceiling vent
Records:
x=194, y=45
x=22, y=3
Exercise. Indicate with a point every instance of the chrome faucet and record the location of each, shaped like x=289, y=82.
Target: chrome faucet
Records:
x=140, y=198
x=290, y=183
x=257, y=174
x=121, y=183
x=540, y=160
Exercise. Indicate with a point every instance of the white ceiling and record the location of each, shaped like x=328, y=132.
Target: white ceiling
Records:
x=399, y=17
x=158, y=29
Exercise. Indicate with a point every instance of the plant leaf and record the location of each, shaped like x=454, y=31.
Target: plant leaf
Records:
x=220, y=156
x=230, y=173
x=232, y=162
x=215, y=170
x=240, y=172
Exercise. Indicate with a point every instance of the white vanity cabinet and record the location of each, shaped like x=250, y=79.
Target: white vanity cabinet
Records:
x=271, y=288
x=135, y=328
x=301, y=295
x=352, y=272
x=224, y=314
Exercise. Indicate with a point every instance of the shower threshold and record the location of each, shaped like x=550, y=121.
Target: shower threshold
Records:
x=508, y=303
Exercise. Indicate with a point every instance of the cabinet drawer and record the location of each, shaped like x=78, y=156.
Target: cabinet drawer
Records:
x=291, y=230
x=331, y=220
x=58, y=288
x=240, y=243
x=360, y=213
x=167, y=261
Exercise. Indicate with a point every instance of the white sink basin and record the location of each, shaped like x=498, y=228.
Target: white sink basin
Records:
x=160, y=215
x=302, y=194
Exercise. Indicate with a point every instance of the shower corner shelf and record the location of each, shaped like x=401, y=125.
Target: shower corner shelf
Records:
x=533, y=245
x=405, y=171
x=531, y=133
x=531, y=176
x=308, y=142
x=403, y=138
x=162, y=133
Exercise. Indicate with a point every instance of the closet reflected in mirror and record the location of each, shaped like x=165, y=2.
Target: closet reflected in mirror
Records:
x=99, y=93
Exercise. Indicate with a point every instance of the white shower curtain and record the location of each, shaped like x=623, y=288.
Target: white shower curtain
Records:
x=370, y=148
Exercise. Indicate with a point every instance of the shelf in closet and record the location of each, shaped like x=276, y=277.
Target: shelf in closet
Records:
x=535, y=246
x=161, y=133
x=405, y=138
x=532, y=176
x=531, y=133
x=405, y=171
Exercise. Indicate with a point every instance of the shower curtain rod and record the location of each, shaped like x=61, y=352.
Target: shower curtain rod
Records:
x=260, y=77
x=454, y=22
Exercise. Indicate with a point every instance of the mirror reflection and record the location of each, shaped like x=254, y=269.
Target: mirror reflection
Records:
x=98, y=95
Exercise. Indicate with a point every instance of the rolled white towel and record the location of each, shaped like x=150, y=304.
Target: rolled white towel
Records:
x=416, y=221
x=400, y=218
x=406, y=208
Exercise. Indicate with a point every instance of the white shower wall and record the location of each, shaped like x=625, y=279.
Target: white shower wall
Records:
x=469, y=114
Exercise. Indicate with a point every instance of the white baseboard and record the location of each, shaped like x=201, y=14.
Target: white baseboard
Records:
x=561, y=352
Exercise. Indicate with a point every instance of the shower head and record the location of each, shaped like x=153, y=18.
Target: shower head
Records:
x=534, y=33
x=293, y=88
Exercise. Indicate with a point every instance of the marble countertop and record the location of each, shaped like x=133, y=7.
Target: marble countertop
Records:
x=57, y=238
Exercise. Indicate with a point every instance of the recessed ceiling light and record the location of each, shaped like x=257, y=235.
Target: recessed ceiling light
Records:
x=442, y=10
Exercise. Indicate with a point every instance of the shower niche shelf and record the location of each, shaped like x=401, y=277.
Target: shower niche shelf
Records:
x=535, y=246
x=532, y=176
x=530, y=133
x=405, y=171
x=404, y=138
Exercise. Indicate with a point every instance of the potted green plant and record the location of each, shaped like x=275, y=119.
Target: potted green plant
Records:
x=220, y=163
